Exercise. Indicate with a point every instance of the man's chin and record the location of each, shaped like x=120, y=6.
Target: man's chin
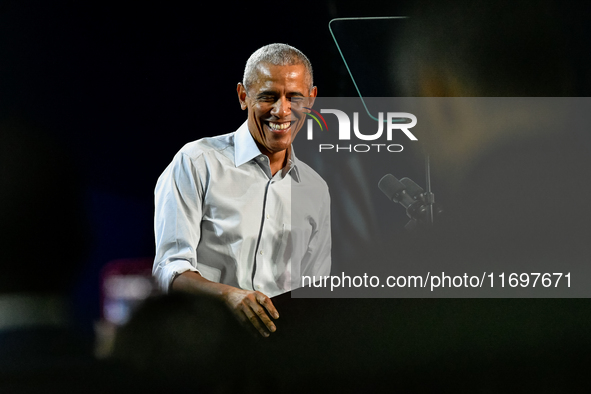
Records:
x=279, y=141
x=277, y=147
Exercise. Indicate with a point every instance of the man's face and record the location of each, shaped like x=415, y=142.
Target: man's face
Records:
x=275, y=103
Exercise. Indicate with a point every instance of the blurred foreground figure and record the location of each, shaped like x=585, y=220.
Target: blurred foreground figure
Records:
x=180, y=342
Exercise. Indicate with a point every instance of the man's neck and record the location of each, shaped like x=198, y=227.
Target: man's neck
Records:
x=277, y=161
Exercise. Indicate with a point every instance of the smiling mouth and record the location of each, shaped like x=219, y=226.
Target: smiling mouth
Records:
x=275, y=126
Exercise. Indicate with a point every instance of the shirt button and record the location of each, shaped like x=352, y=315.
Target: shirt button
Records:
x=261, y=252
x=267, y=216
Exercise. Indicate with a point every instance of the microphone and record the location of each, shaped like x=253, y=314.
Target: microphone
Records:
x=412, y=188
x=404, y=191
x=408, y=194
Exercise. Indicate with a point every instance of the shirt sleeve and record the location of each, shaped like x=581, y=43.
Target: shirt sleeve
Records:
x=177, y=220
x=318, y=259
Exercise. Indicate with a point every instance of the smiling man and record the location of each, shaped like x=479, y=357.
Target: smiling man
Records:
x=238, y=217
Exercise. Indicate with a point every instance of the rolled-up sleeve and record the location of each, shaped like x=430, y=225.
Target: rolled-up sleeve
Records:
x=178, y=200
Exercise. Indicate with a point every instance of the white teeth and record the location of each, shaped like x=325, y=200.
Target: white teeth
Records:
x=279, y=126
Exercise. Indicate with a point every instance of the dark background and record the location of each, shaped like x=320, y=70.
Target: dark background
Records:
x=123, y=87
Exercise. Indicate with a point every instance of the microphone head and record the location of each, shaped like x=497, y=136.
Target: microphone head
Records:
x=412, y=189
x=391, y=187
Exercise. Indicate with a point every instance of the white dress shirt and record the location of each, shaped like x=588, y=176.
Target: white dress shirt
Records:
x=220, y=212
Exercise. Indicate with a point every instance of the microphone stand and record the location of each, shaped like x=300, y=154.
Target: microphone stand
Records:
x=419, y=204
x=429, y=196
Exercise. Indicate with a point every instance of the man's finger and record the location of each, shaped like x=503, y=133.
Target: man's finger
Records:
x=268, y=304
x=262, y=314
x=254, y=320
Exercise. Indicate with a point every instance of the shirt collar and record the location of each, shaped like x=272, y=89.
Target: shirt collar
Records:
x=292, y=164
x=246, y=149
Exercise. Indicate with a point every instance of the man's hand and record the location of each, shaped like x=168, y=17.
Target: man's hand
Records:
x=252, y=307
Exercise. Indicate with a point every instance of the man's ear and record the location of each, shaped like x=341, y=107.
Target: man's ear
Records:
x=312, y=97
x=241, y=90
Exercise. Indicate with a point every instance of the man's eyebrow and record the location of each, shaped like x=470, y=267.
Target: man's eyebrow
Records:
x=266, y=93
x=274, y=93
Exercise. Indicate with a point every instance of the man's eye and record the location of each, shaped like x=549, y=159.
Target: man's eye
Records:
x=296, y=99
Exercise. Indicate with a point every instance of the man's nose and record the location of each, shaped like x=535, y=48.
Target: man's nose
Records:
x=281, y=108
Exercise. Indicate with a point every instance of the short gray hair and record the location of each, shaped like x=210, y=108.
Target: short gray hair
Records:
x=277, y=55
